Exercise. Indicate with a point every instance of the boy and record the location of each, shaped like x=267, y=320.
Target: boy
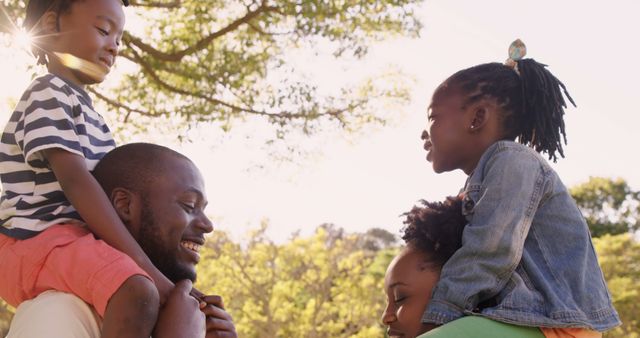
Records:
x=51, y=143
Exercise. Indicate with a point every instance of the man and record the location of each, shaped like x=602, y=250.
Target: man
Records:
x=159, y=195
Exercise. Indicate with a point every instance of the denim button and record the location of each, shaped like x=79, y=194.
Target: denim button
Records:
x=467, y=205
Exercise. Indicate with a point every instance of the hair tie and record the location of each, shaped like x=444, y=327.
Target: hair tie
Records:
x=517, y=50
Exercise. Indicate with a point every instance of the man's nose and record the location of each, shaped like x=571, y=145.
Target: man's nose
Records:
x=205, y=223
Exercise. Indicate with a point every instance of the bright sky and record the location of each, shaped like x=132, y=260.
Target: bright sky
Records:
x=370, y=180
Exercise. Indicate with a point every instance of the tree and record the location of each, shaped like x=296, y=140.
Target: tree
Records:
x=619, y=257
x=325, y=285
x=610, y=206
x=6, y=313
x=226, y=61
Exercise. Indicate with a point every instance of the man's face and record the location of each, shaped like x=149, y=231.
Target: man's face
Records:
x=173, y=222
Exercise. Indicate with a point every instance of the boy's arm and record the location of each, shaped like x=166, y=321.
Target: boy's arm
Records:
x=91, y=202
x=502, y=212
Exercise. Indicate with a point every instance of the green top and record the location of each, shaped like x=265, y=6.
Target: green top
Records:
x=480, y=327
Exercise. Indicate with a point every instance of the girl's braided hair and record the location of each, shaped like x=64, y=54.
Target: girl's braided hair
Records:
x=531, y=101
x=435, y=228
x=35, y=10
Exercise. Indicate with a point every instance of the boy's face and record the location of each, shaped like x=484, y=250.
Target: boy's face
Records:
x=91, y=31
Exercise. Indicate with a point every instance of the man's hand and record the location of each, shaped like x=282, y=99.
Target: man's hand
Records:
x=219, y=322
x=181, y=316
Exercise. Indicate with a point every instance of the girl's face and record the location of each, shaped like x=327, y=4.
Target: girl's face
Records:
x=448, y=139
x=408, y=285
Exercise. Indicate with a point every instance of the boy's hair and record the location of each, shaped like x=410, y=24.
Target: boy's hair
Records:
x=36, y=9
x=435, y=228
x=531, y=101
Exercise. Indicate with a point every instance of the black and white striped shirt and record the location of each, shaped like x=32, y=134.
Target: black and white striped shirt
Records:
x=52, y=113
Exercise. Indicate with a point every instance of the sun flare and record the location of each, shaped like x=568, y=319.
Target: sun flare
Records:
x=22, y=39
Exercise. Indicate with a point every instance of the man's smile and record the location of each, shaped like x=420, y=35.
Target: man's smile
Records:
x=192, y=248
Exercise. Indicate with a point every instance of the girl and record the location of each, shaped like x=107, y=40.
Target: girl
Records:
x=526, y=255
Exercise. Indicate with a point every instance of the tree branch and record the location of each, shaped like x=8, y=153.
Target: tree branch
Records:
x=122, y=106
x=137, y=58
x=173, y=4
x=202, y=43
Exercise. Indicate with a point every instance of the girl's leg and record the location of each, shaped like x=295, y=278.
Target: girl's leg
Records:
x=133, y=310
x=480, y=327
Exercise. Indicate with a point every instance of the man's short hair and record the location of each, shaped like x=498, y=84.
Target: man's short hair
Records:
x=133, y=166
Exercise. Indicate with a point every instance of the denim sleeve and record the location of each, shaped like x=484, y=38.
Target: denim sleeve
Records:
x=500, y=207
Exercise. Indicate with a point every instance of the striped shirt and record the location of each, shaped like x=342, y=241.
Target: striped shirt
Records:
x=52, y=113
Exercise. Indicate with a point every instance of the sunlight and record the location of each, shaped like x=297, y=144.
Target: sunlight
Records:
x=15, y=53
x=19, y=38
x=22, y=39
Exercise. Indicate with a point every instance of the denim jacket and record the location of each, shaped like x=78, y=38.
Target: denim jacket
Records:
x=526, y=255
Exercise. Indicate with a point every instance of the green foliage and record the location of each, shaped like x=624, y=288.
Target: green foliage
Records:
x=215, y=60
x=326, y=285
x=619, y=257
x=6, y=313
x=609, y=205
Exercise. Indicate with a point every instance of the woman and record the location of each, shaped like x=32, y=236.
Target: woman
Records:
x=432, y=235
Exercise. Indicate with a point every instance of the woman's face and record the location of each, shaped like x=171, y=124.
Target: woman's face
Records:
x=408, y=284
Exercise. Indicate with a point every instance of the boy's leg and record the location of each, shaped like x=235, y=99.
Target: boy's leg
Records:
x=119, y=290
x=480, y=327
x=133, y=310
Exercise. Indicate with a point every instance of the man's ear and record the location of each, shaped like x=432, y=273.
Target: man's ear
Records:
x=128, y=206
x=121, y=200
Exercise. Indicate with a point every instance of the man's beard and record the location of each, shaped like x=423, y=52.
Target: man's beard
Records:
x=165, y=259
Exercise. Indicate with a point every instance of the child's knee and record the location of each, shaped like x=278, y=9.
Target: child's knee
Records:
x=133, y=309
